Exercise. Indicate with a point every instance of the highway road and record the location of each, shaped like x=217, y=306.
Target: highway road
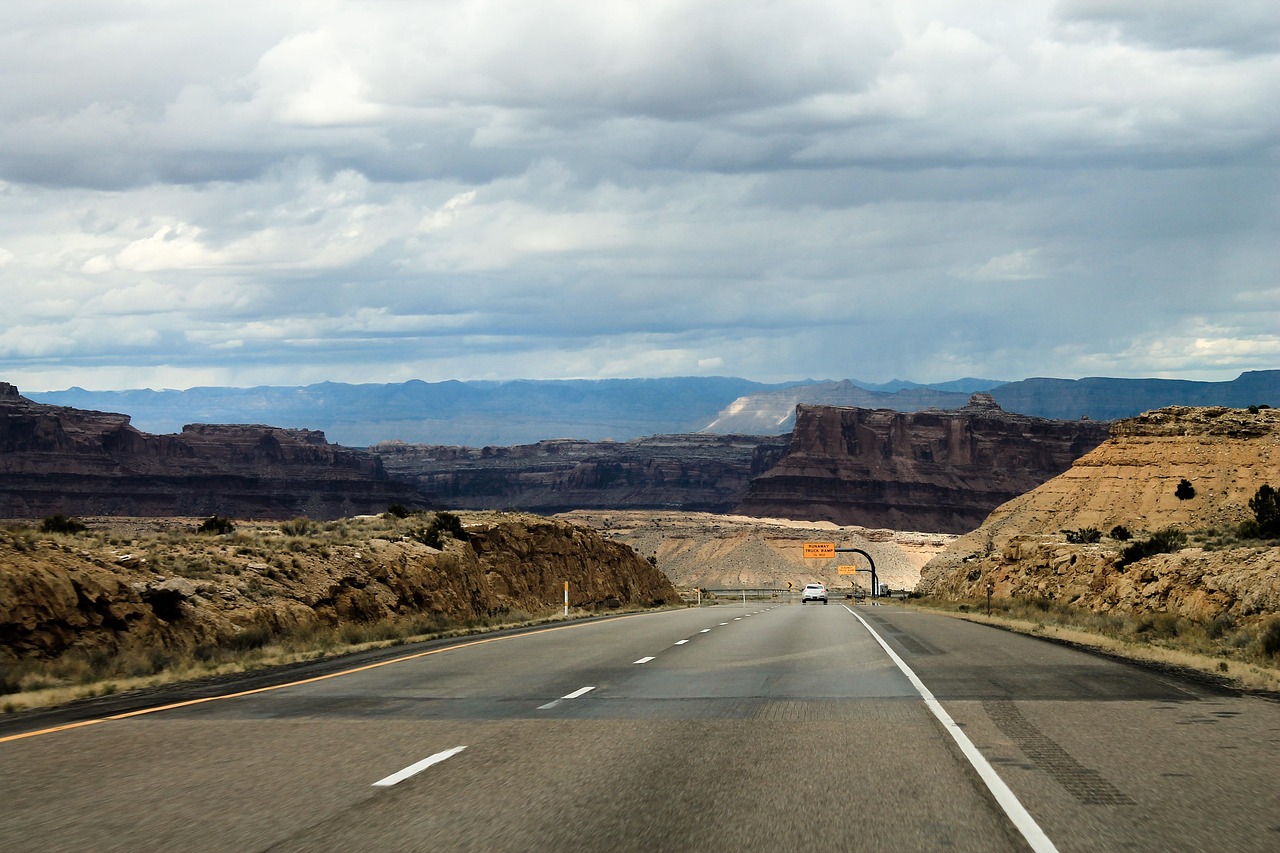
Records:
x=731, y=727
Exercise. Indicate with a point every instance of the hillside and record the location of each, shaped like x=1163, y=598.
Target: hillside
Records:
x=157, y=590
x=1132, y=480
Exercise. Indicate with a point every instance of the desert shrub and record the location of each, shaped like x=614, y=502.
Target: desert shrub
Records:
x=397, y=511
x=1269, y=638
x=252, y=637
x=300, y=526
x=1084, y=536
x=1120, y=533
x=217, y=525
x=1218, y=626
x=61, y=524
x=441, y=525
x=1266, y=511
x=1185, y=490
x=1159, y=626
x=1163, y=541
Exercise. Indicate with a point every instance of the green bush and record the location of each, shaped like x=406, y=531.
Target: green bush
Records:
x=1269, y=640
x=61, y=524
x=1185, y=490
x=1120, y=533
x=217, y=525
x=442, y=525
x=1266, y=511
x=1161, y=542
x=1084, y=536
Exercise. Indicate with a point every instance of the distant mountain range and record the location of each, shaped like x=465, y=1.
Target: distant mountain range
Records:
x=479, y=414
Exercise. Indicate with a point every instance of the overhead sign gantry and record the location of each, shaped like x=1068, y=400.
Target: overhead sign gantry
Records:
x=828, y=551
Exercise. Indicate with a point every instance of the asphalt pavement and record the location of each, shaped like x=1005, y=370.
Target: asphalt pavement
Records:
x=732, y=727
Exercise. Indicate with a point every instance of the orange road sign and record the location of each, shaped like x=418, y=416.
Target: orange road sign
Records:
x=820, y=550
x=848, y=570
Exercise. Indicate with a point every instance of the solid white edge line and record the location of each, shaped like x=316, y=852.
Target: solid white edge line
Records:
x=581, y=691
x=644, y=660
x=414, y=769
x=1005, y=797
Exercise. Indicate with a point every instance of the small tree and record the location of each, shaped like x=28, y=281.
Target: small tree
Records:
x=1266, y=510
x=61, y=524
x=217, y=525
x=1120, y=533
x=1185, y=490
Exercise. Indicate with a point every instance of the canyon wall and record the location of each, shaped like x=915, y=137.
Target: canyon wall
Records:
x=936, y=471
x=707, y=473
x=75, y=462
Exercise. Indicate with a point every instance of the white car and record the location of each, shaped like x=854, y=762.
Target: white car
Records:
x=813, y=592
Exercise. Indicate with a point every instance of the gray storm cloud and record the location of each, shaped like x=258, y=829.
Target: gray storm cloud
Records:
x=387, y=190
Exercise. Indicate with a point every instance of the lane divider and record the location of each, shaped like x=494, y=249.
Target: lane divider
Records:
x=1004, y=795
x=644, y=659
x=581, y=691
x=415, y=769
x=366, y=667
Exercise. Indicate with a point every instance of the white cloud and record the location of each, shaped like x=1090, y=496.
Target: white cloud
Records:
x=490, y=188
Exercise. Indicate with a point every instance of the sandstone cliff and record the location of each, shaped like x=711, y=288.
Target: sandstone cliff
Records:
x=1132, y=480
x=708, y=473
x=76, y=462
x=163, y=592
x=939, y=471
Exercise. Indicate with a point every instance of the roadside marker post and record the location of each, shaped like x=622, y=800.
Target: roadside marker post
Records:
x=566, y=599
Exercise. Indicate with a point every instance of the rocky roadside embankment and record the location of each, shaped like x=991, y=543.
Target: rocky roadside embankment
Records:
x=159, y=589
x=1132, y=480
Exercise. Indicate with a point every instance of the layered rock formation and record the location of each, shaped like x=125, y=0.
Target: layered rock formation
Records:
x=1133, y=480
x=166, y=594
x=940, y=471
x=60, y=460
x=708, y=473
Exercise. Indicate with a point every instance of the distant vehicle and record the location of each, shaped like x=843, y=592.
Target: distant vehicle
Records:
x=813, y=592
x=884, y=589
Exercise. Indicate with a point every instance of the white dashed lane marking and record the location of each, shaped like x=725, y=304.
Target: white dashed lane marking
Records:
x=414, y=769
x=644, y=659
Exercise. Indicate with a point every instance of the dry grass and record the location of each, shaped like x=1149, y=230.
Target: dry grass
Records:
x=1244, y=654
x=36, y=684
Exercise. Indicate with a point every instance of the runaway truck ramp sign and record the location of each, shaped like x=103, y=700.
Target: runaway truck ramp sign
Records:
x=819, y=550
x=828, y=551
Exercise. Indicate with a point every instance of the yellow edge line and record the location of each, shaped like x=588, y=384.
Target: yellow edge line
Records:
x=311, y=680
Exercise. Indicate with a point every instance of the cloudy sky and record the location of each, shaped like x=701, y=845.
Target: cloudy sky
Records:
x=236, y=193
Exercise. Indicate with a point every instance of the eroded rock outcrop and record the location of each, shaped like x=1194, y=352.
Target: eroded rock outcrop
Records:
x=708, y=473
x=164, y=595
x=1132, y=480
x=75, y=462
x=937, y=471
